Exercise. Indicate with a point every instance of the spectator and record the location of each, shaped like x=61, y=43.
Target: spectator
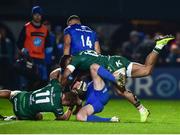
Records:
x=49, y=52
x=174, y=56
x=33, y=40
x=59, y=45
x=144, y=48
x=129, y=48
x=6, y=57
x=103, y=41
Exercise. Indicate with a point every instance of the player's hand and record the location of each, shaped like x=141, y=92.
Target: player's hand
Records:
x=25, y=52
x=120, y=76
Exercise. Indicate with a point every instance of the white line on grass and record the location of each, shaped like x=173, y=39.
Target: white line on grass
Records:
x=7, y=123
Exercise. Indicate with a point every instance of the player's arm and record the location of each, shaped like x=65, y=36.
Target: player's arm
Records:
x=69, y=70
x=97, y=47
x=56, y=74
x=66, y=115
x=65, y=76
x=47, y=41
x=21, y=38
x=67, y=44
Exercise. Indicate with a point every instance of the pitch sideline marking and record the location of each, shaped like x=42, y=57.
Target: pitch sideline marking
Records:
x=7, y=123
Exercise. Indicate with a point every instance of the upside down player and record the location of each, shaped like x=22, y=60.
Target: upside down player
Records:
x=28, y=105
x=120, y=67
x=97, y=97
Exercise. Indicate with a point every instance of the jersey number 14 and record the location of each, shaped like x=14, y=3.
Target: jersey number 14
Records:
x=86, y=42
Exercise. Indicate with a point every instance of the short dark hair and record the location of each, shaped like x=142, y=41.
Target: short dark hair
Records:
x=73, y=17
x=71, y=97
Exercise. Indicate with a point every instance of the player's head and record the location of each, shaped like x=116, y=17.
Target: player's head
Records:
x=65, y=60
x=73, y=19
x=37, y=13
x=70, y=99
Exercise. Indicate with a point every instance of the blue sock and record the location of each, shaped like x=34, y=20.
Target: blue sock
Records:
x=105, y=74
x=94, y=118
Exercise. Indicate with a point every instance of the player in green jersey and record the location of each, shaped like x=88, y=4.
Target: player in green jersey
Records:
x=28, y=105
x=120, y=67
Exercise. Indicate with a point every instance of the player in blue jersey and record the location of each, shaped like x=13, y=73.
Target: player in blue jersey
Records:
x=97, y=96
x=78, y=37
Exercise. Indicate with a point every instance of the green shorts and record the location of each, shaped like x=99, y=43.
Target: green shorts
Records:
x=20, y=101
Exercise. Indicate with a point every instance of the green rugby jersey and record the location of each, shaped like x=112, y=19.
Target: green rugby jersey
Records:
x=47, y=99
x=85, y=59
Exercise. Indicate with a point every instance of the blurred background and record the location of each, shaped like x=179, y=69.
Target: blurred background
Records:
x=124, y=27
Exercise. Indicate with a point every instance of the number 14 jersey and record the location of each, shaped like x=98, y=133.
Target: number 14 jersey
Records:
x=82, y=38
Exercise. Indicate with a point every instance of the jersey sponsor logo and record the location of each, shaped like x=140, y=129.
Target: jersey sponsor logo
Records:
x=105, y=90
x=15, y=104
x=83, y=30
x=92, y=53
x=37, y=41
x=38, y=34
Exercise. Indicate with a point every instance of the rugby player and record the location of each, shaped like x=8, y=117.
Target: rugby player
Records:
x=28, y=105
x=78, y=37
x=96, y=98
x=120, y=67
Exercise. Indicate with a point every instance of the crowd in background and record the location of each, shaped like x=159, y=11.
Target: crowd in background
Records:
x=136, y=48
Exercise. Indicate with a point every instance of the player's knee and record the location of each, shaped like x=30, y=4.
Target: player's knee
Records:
x=94, y=67
x=80, y=117
x=148, y=72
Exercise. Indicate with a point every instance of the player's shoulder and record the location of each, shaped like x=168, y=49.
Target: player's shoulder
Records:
x=85, y=27
x=67, y=28
x=44, y=27
x=27, y=23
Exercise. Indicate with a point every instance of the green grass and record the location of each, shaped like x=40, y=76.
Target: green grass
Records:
x=164, y=118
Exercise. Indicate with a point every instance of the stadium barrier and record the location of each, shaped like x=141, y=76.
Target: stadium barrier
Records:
x=164, y=83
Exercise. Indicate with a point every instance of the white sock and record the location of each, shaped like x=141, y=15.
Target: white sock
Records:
x=141, y=109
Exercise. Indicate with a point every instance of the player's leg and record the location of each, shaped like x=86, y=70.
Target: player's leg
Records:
x=122, y=91
x=98, y=83
x=139, y=70
x=94, y=105
x=99, y=71
x=86, y=114
x=132, y=98
x=5, y=93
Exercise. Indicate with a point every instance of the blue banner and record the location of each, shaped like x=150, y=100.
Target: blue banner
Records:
x=164, y=83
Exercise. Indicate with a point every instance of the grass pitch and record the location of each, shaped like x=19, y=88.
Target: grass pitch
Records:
x=164, y=118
